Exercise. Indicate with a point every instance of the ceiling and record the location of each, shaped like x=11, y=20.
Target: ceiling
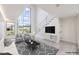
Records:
x=13, y=11
x=61, y=10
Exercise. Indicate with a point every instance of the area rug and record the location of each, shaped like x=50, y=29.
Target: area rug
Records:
x=42, y=49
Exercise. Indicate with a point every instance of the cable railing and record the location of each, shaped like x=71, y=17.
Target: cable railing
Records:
x=44, y=22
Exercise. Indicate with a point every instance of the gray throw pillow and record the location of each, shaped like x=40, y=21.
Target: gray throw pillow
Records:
x=7, y=42
x=27, y=37
x=19, y=38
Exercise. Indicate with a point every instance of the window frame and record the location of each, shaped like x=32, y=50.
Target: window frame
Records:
x=23, y=25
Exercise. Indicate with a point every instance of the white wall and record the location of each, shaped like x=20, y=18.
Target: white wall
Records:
x=78, y=31
x=1, y=36
x=33, y=19
x=2, y=23
x=69, y=29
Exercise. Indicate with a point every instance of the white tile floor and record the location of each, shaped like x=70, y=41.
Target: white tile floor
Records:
x=67, y=47
x=63, y=47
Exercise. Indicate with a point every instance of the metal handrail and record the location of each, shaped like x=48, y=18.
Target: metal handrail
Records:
x=47, y=22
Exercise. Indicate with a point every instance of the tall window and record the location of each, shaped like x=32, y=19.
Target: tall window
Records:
x=24, y=22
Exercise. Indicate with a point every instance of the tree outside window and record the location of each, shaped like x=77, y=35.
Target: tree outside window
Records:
x=24, y=22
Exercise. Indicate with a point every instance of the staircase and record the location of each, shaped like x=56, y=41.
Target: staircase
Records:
x=41, y=28
x=46, y=21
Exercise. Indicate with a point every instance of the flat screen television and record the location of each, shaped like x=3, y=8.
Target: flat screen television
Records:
x=50, y=29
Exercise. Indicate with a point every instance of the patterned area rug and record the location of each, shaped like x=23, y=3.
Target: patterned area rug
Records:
x=42, y=49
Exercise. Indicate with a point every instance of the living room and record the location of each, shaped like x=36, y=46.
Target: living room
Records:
x=33, y=29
